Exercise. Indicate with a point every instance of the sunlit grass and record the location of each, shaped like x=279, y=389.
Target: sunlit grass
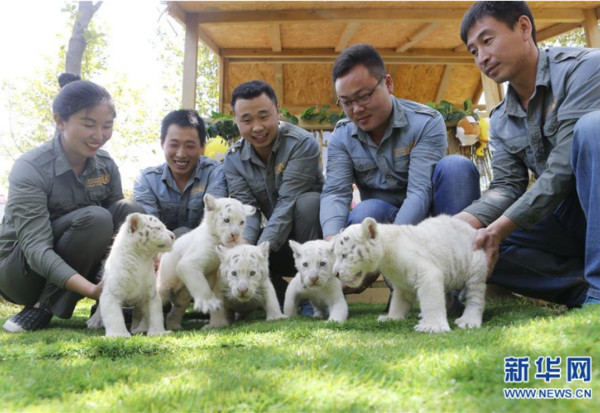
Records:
x=295, y=365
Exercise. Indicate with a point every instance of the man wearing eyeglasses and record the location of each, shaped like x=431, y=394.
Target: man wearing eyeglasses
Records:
x=392, y=149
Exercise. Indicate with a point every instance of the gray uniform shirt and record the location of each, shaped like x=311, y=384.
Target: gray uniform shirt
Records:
x=539, y=139
x=156, y=190
x=43, y=187
x=293, y=169
x=398, y=171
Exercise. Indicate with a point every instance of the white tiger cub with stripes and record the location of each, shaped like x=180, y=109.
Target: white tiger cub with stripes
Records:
x=315, y=282
x=189, y=271
x=129, y=278
x=244, y=285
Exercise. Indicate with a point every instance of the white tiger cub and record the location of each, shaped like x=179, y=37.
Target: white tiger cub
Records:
x=315, y=281
x=129, y=278
x=189, y=271
x=421, y=261
x=244, y=285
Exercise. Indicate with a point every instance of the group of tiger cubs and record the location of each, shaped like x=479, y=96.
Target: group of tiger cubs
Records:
x=227, y=279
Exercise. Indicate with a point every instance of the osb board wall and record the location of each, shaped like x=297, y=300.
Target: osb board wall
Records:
x=463, y=85
x=308, y=84
x=305, y=85
x=417, y=82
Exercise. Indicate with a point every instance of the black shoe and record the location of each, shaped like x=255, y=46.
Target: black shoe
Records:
x=29, y=319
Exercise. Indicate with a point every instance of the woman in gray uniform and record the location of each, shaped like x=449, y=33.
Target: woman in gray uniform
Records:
x=64, y=204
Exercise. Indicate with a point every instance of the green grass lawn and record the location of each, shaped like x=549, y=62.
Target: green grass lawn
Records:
x=298, y=365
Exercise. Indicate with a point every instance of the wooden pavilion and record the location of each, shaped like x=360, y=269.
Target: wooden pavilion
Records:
x=292, y=45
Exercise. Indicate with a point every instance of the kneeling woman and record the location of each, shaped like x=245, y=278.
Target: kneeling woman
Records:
x=64, y=203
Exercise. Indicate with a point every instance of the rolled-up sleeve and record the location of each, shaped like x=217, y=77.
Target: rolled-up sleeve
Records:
x=337, y=191
x=298, y=177
x=28, y=205
x=430, y=147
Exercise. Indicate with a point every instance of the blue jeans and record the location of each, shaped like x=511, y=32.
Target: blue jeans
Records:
x=455, y=186
x=585, y=160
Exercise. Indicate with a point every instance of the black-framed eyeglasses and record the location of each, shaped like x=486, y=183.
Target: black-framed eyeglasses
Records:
x=361, y=100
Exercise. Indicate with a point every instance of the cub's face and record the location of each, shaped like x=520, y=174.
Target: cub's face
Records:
x=244, y=269
x=228, y=218
x=314, y=262
x=357, y=252
x=149, y=232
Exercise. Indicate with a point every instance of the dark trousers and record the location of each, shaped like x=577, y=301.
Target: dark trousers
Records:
x=547, y=261
x=82, y=238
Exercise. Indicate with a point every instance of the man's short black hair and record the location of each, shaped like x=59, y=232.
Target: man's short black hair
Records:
x=251, y=90
x=359, y=54
x=507, y=12
x=184, y=118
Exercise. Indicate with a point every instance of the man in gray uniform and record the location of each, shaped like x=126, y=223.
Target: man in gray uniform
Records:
x=546, y=236
x=174, y=191
x=275, y=168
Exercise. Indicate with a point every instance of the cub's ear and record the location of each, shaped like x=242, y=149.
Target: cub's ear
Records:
x=209, y=202
x=369, y=228
x=264, y=248
x=133, y=222
x=249, y=210
x=295, y=246
x=331, y=242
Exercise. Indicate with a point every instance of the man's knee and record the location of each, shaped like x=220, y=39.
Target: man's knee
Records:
x=456, y=166
x=307, y=225
x=587, y=130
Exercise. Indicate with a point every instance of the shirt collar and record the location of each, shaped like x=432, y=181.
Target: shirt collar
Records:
x=168, y=179
x=397, y=120
x=248, y=151
x=62, y=164
x=512, y=104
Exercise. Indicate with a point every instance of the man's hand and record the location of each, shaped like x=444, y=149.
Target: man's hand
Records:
x=489, y=239
x=366, y=283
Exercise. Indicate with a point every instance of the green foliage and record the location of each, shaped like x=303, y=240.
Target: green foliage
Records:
x=287, y=116
x=574, y=38
x=301, y=364
x=223, y=125
x=322, y=115
x=450, y=113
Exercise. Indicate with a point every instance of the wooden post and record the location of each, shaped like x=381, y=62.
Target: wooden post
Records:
x=190, y=62
x=493, y=92
x=590, y=26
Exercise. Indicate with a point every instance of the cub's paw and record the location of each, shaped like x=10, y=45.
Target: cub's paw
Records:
x=273, y=317
x=433, y=326
x=207, y=305
x=95, y=321
x=468, y=322
x=386, y=317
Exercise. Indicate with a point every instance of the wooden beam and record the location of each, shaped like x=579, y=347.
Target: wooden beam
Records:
x=205, y=38
x=275, y=37
x=556, y=30
x=190, y=62
x=436, y=56
x=347, y=35
x=444, y=83
x=418, y=35
x=493, y=93
x=477, y=95
x=447, y=15
x=590, y=25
